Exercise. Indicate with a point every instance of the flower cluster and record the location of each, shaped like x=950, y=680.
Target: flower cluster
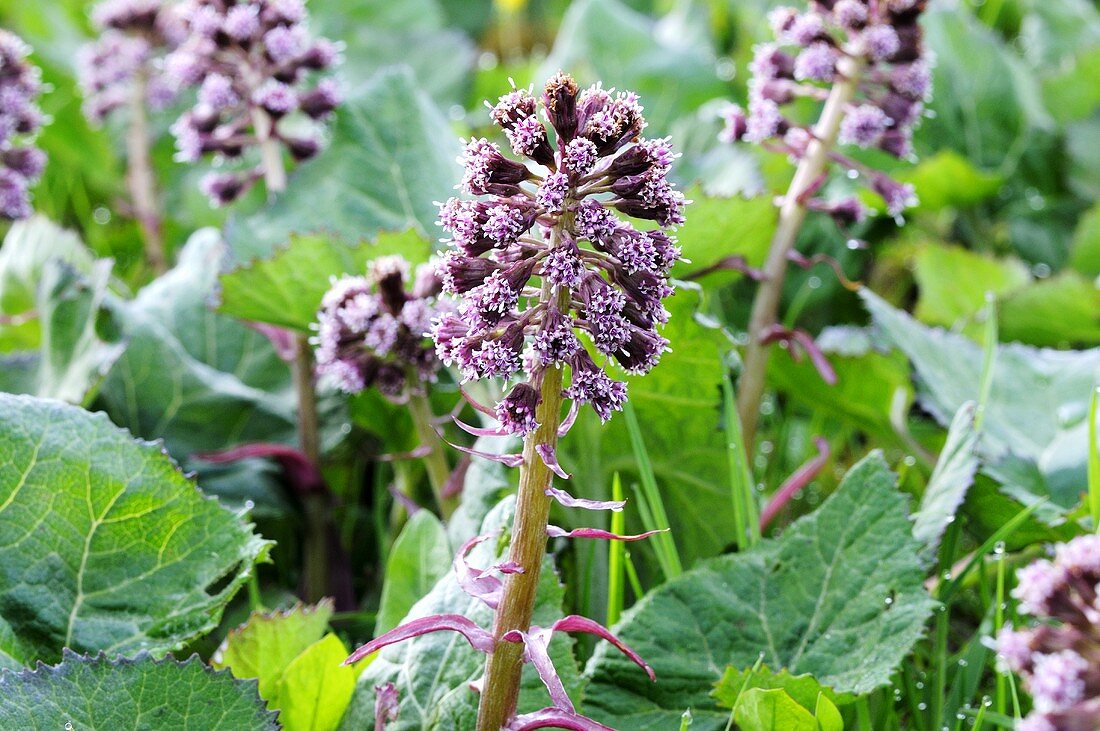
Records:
x=486, y=585
x=372, y=333
x=1059, y=659
x=540, y=254
x=134, y=36
x=21, y=163
x=250, y=60
x=876, y=44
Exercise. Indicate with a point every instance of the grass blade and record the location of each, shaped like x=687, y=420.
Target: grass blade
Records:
x=653, y=512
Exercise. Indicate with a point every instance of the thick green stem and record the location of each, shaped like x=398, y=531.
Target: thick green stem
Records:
x=765, y=307
x=315, y=569
x=271, y=154
x=315, y=564
x=504, y=666
x=434, y=461
x=140, y=178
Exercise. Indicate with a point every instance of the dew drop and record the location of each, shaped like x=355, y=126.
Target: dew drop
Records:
x=922, y=706
x=487, y=61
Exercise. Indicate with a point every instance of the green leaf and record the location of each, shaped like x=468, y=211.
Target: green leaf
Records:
x=1086, y=243
x=803, y=689
x=688, y=453
x=672, y=74
x=316, y=687
x=1073, y=92
x=419, y=558
x=721, y=227
x=266, y=644
x=953, y=282
x=71, y=358
x=1034, y=421
x=199, y=380
x=97, y=694
x=952, y=477
x=286, y=289
x=27, y=247
x=827, y=715
x=76, y=493
x=868, y=381
x=987, y=104
x=1063, y=310
x=947, y=179
x=772, y=710
x=378, y=33
x=391, y=155
x=839, y=596
x=433, y=672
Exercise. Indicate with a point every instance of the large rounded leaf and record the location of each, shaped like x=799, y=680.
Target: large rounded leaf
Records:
x=839, y=596
x=104, y=543
x=119, y=695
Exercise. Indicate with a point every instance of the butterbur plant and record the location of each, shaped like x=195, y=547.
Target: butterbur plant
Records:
x=864, y=60
x=124, y=69
x=1059, y=658
x=21, y=163
x=252, y=63
x=372, y=332
x=551, y=281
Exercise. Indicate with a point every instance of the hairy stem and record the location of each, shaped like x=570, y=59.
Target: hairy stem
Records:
x=504, y=666
x=765, y=307
x=140, y=178
x=434, y=461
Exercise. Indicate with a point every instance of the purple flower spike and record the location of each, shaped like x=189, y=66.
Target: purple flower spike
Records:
x=556, y=228
x=254, y=63
x=21, y=163
x=555, y=718
x=566, y=500
x=555, y=532
x=1057, y=658
x=386, y=706
x=822, y=48
x=370, y=330
x=134, y=37
x=479, y=639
